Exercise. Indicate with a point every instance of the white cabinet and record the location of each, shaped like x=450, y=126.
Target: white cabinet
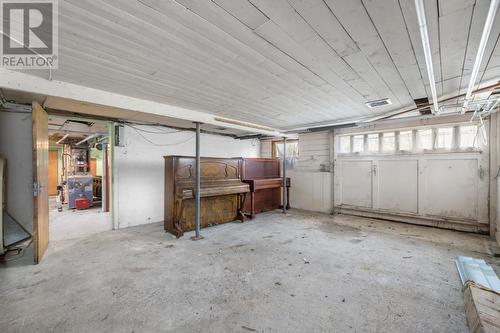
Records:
x=397, y=185
x=442, y=188
x=451, y=188
x=357, y=183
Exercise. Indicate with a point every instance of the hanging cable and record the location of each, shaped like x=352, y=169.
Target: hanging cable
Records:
x=162, y=144
x=152, y=132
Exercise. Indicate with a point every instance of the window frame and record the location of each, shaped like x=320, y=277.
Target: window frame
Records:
x=274, y=149
x=415, y=142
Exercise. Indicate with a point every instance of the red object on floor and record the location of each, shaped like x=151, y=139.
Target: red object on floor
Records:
x=82, y=203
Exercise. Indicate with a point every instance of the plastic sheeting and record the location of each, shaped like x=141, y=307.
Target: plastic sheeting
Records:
x=478, y=271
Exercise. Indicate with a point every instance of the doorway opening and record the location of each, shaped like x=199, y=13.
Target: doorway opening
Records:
x=79, y=173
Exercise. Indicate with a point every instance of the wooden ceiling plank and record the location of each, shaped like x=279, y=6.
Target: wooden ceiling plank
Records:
x=453, y=46
x=300, y=90
x=245, y=35
x=410, y=17
x=395, y=37
x=240, y=81
x=318, y=15
x=356, y=22
x=248, y=13
x=284, y=16
x=277, y=37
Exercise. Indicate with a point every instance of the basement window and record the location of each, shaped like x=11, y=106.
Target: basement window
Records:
x=388, y=141
x=372, y=142
x=357, y=143
x=292, y=152
x=405, y=140
x=444, y=137
x=468, y=136
x=345, y=144
x=424, y=137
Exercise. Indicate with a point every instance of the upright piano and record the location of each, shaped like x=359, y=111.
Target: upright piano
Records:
x=263, y=176
x=222, y=192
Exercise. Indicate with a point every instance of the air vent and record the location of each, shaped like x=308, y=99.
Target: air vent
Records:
x=378, y=103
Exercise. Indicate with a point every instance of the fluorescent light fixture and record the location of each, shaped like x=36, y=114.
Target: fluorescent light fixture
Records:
x=480, y=51
x=62, y=139
x=422, y=24
x=245, y=124
x=87, y=139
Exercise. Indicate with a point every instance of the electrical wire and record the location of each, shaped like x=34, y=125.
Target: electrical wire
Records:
x=153, y=132
x=162, y=144
x=20, y=251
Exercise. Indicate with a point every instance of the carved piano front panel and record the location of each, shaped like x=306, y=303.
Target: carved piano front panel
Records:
x=222, y=192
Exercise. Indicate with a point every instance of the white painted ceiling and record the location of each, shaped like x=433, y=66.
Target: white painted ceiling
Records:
x=279, y=63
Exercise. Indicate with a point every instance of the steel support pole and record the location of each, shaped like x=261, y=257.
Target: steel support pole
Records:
x=284, y=176
x=197, y=202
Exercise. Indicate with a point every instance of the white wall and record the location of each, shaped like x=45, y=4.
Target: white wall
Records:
x=314, y=151
x=312, y=187
x=311, y=190
x=16, y=145
x=139, y=169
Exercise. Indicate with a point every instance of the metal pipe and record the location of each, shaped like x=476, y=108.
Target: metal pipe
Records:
x=284, y=176
x=197, y=202
x=62, y=139
x=488, y=25
x=422, y=24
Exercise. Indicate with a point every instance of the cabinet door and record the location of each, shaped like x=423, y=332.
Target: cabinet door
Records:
x=356, y=183
x=397, y=185
x=450, y=188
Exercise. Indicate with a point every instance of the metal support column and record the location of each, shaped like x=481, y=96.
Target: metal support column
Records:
x=197, y=202
x=284, y=176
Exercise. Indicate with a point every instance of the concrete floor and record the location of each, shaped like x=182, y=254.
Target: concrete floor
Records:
x=303, y=272
x=73, y=223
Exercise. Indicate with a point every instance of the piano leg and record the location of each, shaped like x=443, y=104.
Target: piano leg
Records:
x=288, y=197
x=252, y=205
x=241, y=214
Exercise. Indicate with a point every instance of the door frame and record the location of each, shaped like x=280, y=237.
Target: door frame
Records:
x=40, y=170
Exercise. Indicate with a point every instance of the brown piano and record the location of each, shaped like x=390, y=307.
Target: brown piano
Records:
x=263, y=176
x=222, y=192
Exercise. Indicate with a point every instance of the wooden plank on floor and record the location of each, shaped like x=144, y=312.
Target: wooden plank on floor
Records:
x=482, y=309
